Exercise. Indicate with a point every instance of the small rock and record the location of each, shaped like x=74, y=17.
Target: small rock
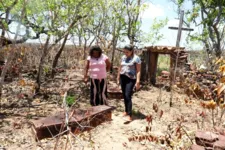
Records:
x=219, y=145
x=197, y=147
x=205, y=138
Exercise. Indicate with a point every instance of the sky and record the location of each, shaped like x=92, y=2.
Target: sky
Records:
x=162, y=9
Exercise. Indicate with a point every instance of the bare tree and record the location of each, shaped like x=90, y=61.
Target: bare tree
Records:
x=133, y=12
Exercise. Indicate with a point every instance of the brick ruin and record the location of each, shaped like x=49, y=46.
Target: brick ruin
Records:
x=178, y=59
x=206, y=140
x=197, y=83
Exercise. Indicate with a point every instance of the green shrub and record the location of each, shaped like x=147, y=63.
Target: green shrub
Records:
x=70, y=100
x=163, y=64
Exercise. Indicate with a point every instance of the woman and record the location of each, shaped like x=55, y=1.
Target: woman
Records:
x=129, y=77
x=97, y=64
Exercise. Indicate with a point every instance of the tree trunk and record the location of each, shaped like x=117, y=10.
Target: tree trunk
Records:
x=55, y=61
x=85, y=48
x=40, y=68
x=112, y=60
x=217, y=49
x=2, y=38
x=12, y=52
x=131, y=41
x=209, y=53
x=80, y=40
x=5, y=69
x=114, y=46
x=2, y=59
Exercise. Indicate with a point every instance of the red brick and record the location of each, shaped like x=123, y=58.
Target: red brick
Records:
x=114, y=92
x=80, y=120
x=197, y=147
x=221, y=138
x=220, y=130
x=165, y=73
x=219, y=145
x=205, y=138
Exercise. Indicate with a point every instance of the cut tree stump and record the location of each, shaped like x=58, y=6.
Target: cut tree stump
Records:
x=79, y=121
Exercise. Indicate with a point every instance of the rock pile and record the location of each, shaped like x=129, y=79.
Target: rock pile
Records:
x=206, y=140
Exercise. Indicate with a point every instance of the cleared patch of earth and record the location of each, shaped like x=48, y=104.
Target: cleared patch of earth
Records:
x=15, y=127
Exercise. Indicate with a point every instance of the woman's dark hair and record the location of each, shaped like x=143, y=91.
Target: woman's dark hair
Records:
x=95, y=48
x=129, y=47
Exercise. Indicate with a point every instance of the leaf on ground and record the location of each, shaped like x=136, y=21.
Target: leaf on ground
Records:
x=222, y=69
x=222, y=80
x=22, y=82
x=221, y=88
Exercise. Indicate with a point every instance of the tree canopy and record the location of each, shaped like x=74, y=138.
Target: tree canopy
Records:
x=210, y=14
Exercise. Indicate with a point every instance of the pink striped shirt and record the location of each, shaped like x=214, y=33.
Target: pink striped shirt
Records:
x=97, y=67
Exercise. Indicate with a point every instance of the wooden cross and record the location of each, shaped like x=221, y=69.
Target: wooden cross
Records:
x=173, y=73
x=180, y=28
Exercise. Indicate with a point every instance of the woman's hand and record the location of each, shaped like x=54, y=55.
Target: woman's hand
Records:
x=137, y=85
x=118, y=81
x=85, y=79
x=86, y=72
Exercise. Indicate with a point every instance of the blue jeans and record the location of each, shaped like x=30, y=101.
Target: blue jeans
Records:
x=127, y=85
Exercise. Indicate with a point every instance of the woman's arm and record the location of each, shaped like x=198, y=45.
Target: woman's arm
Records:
x=108, y=65
x=138, y=70
x=118, y=74
x=86, y=71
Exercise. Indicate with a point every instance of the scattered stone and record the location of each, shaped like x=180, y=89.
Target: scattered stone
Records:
x=205, y=138
x=221, y=131
x=219, y=145
x=197, y=147
x=114, y=92
x=221, y=138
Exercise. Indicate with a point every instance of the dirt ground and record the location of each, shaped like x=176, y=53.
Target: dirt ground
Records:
x=15, y=117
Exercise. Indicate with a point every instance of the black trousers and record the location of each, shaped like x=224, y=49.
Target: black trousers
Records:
x=98, y=95
x=127, y=85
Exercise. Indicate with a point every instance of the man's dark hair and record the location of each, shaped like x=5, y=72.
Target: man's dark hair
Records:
x=129, y=47
x=95, y=48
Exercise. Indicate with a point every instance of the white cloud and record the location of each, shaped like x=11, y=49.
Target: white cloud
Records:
x=170, y=8
x=153, y=11
x=173, y=22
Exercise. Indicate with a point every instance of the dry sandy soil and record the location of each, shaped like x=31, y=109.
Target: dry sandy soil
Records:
x=15, y=131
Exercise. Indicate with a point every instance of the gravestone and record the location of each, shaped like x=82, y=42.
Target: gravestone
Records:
x=79, y=121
